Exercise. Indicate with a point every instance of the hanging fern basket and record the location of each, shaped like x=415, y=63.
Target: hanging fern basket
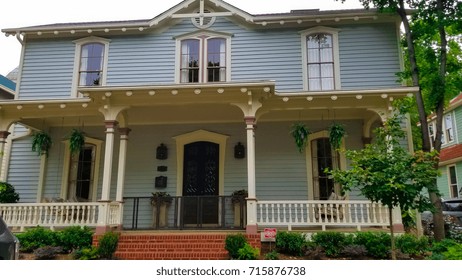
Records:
x=76, y=141
x=336, y=134
x=41, y=143
x=300, y=133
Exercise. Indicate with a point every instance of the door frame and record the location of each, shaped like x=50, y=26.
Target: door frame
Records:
x=195, y=136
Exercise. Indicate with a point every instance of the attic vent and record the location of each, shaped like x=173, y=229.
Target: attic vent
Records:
x=206, y=20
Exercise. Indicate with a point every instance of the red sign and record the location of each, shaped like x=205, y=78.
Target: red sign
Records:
x=269, y=233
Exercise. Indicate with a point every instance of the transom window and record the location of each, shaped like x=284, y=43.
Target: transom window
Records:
x=320, y=56
x=204, y=59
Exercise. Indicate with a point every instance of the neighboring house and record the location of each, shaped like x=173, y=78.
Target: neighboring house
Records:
x=164, y=103
x=7, y=88
x=450, y=181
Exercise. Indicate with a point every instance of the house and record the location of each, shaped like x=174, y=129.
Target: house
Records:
x=199, y=102
x=450, y=180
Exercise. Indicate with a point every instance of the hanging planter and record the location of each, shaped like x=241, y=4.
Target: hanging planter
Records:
x=300, y=133
x=41, y=143
x=336, y=134
x=76, y=141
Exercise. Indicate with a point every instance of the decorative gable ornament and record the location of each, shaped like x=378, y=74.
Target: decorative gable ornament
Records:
x=203, y=20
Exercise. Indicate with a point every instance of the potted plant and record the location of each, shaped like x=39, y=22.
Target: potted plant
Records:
x=41, y=143
x=300, y=133
x=336, y=134
x=240, y=214
x=76, y=141
x=160, y=202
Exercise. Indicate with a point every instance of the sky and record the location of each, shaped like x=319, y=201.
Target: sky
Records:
x=21, y=13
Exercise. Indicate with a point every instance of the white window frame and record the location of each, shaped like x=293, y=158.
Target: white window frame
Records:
x=203, y=38
x=335, y=49
x=445, y=134
x=451, y=184
x=78, y=51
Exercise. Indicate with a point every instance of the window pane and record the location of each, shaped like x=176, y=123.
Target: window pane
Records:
x=452, y=175
x=91, y=64
x=449, y=130
x=314, y=84
x=327, y=84
x=314, y=71
x=327, y=70
x=326, y=55
x=313, y=55
x=216, y=60
x=190, y=61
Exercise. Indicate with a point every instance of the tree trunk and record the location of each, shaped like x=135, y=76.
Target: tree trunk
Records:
x=392, y=233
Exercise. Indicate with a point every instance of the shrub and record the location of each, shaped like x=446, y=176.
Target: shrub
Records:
x=378, y=244
x=35, y=238
x=8, y=193
x=248, y=252
x=107, y=245
x=442, y=246
x=233, y=243
x=90, y=253
x=292, y=243
x=410, y=244
x=75, y=237
x=332, y=242
x=355, y=252
x=454, y=252
x=273, y=255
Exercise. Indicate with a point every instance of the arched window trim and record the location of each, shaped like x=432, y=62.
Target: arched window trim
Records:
x=203, y=37
x=78, y=51
x=327, y=30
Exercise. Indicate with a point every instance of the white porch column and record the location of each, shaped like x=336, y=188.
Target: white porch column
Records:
x=251, y=227
x=108, y=157
x=122, y=162
x=3, y=135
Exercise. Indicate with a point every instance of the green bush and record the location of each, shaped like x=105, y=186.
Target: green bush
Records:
x=412, y=245
x=273, y=255
x=233, y=243
x=333, y=243
x=442, y=246
x=107, y=245
x=8, y=193
x=75, y=238
x=37, y=237
x=453, y=253
x=248, y=252
x=292, y=243
x=378, y=244
x=90, y=253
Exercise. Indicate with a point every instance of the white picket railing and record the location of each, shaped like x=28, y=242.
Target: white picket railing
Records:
x=61, y=214
x=343, y=213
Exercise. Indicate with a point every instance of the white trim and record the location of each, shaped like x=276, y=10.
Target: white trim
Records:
x=449, y=180
x=67, y=162
x=335, y=48
x=309, y=165
x=78, y=50
x=195, y=136
x=202, y=54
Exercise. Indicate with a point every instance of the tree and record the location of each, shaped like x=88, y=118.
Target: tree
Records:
x=435, y=18
x=386, y=172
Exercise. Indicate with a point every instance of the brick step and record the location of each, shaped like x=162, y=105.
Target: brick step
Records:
x=174, y=246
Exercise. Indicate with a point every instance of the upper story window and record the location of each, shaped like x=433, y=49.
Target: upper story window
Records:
x=90, y=62
x=321, y=59
x=204, y=59
x=453, y=188
x=448, y=130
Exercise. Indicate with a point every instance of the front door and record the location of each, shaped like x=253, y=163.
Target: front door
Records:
x=200, y=183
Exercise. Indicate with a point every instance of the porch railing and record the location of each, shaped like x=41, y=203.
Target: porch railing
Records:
x=324, y=213
x=61, y=214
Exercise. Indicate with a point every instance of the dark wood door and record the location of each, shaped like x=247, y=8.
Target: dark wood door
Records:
x=200, y=183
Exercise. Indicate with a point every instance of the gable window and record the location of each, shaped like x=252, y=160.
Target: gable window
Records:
x=90, y=62
x=204, y=59
x=320, y=56
x=453, y=189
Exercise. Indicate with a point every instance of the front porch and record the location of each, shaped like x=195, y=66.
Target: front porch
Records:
x=137, y=213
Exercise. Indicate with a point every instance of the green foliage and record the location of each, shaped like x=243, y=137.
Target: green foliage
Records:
x=385, y=172
x=41, y=143
x=412, y=245
x=75, y=238
x=76, y=141
x=336, y=134
x=378, y=244
x=454, y=252
x=300, y=133
x=273, y=255
x=8, y=193
x=442, y=246
x=233, y=243
x=333, y=243
x=160, y=197
x=90, y=253
x=248, y=252
x=107, y=245
x=37, y=237
x=292, y=243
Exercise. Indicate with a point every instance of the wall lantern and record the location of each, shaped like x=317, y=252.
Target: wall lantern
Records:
x=239, y=150
x=162, y=152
